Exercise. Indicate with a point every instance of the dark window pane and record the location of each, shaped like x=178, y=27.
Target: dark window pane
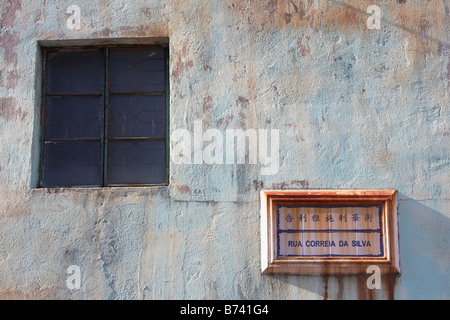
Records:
x=68, y=164
x=137, y=70
x=74, y=72
x=73, y=117
x=76, y=86
x=132, y=162
x=137, y=116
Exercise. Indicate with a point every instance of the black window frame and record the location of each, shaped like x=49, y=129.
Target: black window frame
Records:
x=105, y=111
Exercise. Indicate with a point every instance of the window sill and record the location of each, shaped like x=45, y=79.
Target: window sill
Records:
x=137, y=188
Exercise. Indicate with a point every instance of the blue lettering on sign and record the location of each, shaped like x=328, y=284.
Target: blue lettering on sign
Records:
x=343, y=243
x=320, y=243
x=295, y=244
x=357, y=243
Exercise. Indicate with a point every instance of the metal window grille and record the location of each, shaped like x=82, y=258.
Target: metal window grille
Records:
x=104, y=116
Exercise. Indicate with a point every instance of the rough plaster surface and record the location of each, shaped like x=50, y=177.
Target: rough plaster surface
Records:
x=356, y=109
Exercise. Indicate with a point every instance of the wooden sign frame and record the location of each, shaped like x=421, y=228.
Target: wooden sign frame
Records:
x=272, y=263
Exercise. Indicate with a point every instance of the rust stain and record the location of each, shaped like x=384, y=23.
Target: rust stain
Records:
x=243, y=120
x=182, y=63
x=287, y=13
x=207, y=105
x=350, y=17
x=272, y=7
x=256, y=185
x=424, y=26
x=386, y=292
x=243, y=103
x=292, y=184
x=207, y=67
x=184, y=189
x=421, y=26
x=388, y=283
x=340, y=293
x=8, y=109
x=225, y=120
x=12, y=79
x=131, y=32
x=363, y=292
x=346, y=16
x=8, y=42
x=325, y=286
x=44, y=293
x=279, y=186
x=300, y=183
x=293, y=10
x=9, y=15
x=304, y=48
x=147, y=12
x=105, y=33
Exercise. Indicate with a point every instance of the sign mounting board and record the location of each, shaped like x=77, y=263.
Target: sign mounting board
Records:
x=328, y=232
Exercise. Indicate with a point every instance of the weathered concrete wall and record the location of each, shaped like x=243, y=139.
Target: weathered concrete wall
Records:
x=357, y=108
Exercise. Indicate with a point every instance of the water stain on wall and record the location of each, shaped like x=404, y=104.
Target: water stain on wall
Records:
x=9, y=109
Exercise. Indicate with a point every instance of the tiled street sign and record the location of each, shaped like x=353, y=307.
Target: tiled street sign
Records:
x=315, y=232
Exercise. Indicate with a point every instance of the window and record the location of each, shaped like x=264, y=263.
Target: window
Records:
x=104, y=116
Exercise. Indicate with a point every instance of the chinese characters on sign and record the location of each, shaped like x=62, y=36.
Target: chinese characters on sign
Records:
x=329, y=231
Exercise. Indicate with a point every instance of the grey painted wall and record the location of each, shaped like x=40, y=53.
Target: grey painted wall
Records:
x=356, y=108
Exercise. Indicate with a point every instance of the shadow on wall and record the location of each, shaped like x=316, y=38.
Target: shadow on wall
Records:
x=424, y=261
x=424, y=248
